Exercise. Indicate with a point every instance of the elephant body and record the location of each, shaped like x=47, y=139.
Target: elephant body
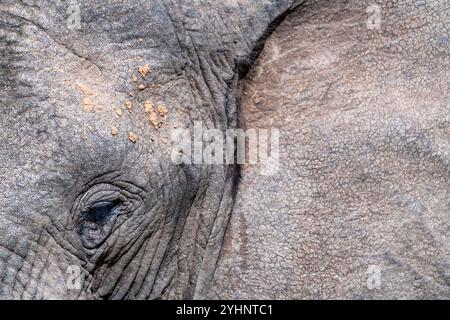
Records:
x=94, y=207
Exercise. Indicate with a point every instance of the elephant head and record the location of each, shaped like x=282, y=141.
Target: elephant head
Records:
x=90, y=92
x=94, y=206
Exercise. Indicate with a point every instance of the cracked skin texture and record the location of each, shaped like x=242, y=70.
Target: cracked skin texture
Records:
x=364, y=178
x=364, y=156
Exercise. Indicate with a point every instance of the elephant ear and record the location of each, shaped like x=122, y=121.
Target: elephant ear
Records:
x=260, y=19
x=353, y=212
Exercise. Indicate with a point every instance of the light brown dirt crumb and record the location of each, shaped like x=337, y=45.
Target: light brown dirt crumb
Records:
x=114, y=131
x=132, y=137
x=140, y=40
x=175, y=125
x=164, y=140
x=257, y=99
x=181, y=111
x=129, y=105
x=154, y=120
x=162, y=111
x=141, y=87
x=118, y=112
x=153, y=116
x=131, y=94
x=88, y=104
x=134, y=78
x=144, y=70
x=100, y=108
x=84, y=89
x=148, y=106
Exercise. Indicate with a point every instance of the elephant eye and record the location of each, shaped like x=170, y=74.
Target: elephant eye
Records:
x=100, y=213
x=100, y=210
x=97, y=221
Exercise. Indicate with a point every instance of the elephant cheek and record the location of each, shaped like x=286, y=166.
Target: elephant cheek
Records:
x=35, y=266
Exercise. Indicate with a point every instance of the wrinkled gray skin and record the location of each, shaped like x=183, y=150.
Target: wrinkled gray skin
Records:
x=364, y=123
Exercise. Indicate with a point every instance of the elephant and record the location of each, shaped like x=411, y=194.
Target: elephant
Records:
x=94, y=204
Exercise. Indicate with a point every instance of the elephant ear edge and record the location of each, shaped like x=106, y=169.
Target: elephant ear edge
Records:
x=261, y=18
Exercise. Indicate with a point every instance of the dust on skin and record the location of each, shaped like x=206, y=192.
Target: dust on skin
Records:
x=164, y=140
x=181, y=111
x=162, y=111
x=129, y=105
x=118, y=111
x=132, y=137
x=157, y=116
x=84, y=89
x=88, y=104
x=144, y=70
x=148, y=106
x=153, y=116
x=88, y=101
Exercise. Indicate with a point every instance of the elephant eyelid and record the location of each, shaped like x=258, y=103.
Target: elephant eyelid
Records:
x=100, y=212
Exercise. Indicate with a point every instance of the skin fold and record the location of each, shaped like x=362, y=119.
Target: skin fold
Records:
x=86, y=177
